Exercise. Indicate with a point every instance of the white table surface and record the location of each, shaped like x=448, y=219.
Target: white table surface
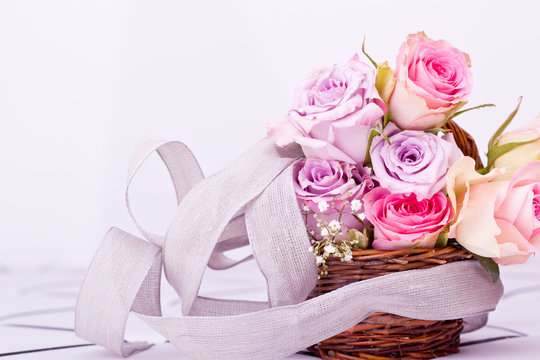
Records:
x=36, y=315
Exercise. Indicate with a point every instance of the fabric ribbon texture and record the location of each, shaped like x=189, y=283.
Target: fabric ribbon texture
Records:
x=250, y=202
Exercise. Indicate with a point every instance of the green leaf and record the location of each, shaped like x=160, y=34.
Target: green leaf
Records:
x=450, y=114
x=457, y=113
x=483, y=171
x=504, y=125
x=378, y=130
x=387, y=117
x=497, y=151
x=367, y=158
x=442, y=240
x=365, y=53
x=384, y=136
x=491, y=266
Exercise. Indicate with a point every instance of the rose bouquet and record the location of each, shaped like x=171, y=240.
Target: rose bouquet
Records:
x=384, y=182
x=386, y=171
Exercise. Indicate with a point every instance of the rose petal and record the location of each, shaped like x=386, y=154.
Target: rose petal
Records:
x=282, y=133
x=514, y=248
x=477, y=229
x=517, y=208
x=314, y=148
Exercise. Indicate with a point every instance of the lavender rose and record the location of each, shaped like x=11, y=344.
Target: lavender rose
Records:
x=414, y=161
x=328, y=187
x=333, y=112
x=317, y=180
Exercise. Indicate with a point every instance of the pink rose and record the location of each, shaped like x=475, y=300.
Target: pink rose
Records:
x=433, y=81
x=497, y=219
x=402, y=221
x=333, y=112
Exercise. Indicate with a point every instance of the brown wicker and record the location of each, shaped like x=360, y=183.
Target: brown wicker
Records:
x=387, y=336
x=383, y=335
x=465, y=142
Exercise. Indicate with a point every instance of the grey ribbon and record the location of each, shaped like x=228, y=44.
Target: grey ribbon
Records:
x=252, y=200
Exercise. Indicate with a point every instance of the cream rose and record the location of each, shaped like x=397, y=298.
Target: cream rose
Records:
x=496, y=219
x=522, y=154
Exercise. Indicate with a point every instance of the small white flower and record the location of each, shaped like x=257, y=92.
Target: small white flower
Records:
x=356, y=205
x=324, y=232
x=334, y=226
x=347, y=257
x=310, y=249
x=319, y=259
x=323, y=206
x=305, y=208
x=362, y=216
x=330, y=249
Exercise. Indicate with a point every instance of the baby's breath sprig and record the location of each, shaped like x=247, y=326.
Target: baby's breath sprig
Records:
x=330, y=239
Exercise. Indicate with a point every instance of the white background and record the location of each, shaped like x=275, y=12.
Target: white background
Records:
x=82, y=81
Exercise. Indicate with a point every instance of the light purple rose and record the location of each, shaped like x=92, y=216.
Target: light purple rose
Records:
x=333, y=112
x=317, y=181
x=414, y=161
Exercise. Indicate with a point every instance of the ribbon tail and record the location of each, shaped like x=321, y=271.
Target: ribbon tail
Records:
x=124, y=275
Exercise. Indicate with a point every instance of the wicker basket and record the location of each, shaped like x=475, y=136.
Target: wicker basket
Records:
x=388, y=336
x=383, y=335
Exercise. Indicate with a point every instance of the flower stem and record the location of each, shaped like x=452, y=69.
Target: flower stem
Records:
x=366, y=54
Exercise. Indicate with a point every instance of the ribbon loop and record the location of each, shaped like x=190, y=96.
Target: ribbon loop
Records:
x=185, y=173
x=182, y=166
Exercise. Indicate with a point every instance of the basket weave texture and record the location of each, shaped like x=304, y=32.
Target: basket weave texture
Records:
x=383, y=335
x=388, y=336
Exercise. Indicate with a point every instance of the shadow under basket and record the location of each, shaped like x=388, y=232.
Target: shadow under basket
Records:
x=382, y=335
